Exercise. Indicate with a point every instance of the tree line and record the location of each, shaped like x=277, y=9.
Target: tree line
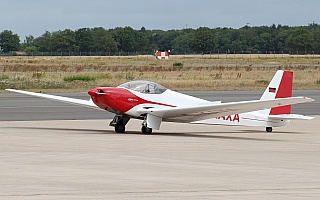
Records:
x=258, y=39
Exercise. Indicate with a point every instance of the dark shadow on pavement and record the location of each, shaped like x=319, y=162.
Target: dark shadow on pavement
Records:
x=186, y=134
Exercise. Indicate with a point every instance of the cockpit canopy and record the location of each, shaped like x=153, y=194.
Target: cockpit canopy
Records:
x=146, y=87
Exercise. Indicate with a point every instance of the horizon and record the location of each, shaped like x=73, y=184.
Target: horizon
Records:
x=35, y=17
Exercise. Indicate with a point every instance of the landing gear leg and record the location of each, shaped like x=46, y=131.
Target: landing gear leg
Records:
x=119, y=122
x=269, y=129
x=145, y=129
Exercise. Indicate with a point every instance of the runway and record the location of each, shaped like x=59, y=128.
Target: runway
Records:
x=52, y=150
x=85, y=159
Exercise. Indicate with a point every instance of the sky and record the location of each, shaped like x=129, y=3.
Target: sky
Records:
x=35, y=17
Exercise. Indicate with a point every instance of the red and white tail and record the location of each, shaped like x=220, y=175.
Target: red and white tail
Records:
x=279, y=87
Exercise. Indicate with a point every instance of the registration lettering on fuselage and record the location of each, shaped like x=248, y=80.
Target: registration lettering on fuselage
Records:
x=231, y=118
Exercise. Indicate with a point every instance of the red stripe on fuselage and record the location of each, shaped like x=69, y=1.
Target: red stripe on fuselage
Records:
x=119, y=99
x=284, y=90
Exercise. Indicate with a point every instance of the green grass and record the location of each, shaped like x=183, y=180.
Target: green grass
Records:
x=177, y=64
x=33, y=84
x=263, y=82
x=129, y=76
x=4, y=77
x=85, y=78
x=179, y=73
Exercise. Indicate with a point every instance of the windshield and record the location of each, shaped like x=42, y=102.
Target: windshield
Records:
x=146, y=87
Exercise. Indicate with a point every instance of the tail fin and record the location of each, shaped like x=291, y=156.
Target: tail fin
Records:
x=279, y=87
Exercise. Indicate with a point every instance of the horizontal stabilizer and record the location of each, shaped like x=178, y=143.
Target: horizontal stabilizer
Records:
x=290, y=117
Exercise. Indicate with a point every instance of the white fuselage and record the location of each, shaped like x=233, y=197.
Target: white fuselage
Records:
x=169, y=97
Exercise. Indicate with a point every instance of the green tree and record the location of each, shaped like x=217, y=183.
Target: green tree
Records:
x=64, y=41
x=226, y=40
x=247, y=39
x=9, y=41
x=28, y=42
x=84, y=39
x=44, y=42
x=316, y=39
x=103, y=41
x=31, y=50
x=108, y=44
x=203, y=40
x=141, y=40
x=125, y=38
x=282, y=38
x=300, y=40
x=156, y=40
x=182, y=43
x=264, y=42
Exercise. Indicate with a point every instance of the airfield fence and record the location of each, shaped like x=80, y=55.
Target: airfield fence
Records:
x=227, y=54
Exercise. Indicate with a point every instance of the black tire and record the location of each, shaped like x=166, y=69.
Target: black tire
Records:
x=269, y=129
x=120, y=128
x=146, y=130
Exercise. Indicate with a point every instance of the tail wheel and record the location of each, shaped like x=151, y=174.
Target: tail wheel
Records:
x=120, y=128
x=269, y=129
x=146, y=130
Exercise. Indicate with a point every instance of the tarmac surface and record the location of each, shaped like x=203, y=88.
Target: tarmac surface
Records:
x=86, y=159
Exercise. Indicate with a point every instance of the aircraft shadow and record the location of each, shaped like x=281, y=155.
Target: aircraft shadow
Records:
x=199, y=135
x=79, y=131
x=165, y=134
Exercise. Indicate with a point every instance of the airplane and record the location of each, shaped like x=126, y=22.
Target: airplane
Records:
x=153, y=103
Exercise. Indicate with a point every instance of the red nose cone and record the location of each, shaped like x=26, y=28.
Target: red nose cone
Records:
x=92, y=92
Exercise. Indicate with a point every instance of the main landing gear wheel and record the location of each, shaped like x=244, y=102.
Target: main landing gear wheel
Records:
x=119, y=122
x=120, y=128
x=146, y=130
x=269, y=129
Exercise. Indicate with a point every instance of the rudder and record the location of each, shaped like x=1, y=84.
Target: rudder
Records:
x=279, y=87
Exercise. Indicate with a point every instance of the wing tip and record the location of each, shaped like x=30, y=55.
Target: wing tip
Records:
x=309, y=99
x=10, y=90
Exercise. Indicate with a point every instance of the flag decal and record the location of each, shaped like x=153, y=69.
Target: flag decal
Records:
x=272, y=89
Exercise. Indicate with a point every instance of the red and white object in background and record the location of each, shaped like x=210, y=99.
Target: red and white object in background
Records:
x=162, y=55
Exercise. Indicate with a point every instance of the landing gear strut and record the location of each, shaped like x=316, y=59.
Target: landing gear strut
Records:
x=269, y=129
x=119, y=122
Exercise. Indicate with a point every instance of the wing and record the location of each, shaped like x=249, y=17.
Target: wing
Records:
x=80, y=102
x=211, y=110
